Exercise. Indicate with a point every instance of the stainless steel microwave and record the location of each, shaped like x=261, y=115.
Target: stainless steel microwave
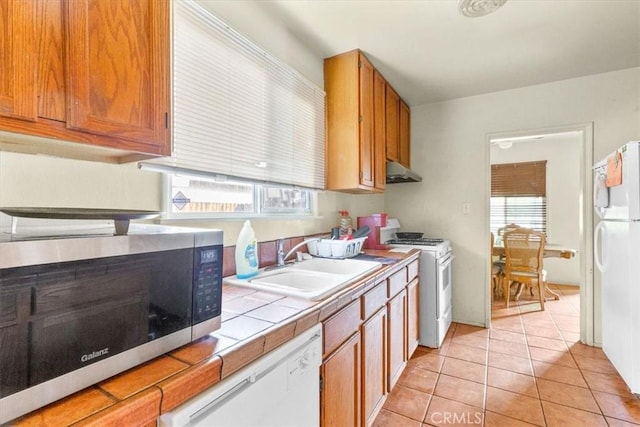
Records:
x=75, y=310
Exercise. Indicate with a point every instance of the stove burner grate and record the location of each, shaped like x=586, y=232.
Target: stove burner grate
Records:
x=425, y=241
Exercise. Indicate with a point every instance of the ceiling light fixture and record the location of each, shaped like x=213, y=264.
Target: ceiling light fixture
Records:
x=476, y=8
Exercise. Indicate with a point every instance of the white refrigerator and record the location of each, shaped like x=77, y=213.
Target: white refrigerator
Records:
x=617, y=257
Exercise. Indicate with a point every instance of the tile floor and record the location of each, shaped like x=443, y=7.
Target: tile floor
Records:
x=528, y=369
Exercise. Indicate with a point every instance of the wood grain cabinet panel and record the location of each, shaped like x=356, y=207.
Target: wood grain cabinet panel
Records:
x=94, y=72
x=117, y=56
x=397, y=347
x=379, y=130
x=18, y=59
x=404, y=135
x=413, y=309
x=353, y=162
x=374, y=365
x=392, y=124
x=341, y=392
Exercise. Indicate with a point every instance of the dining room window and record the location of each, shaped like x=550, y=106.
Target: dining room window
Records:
x=518, y=195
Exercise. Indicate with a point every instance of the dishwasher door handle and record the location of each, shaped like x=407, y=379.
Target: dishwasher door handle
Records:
x=220, y=400
x=247, y=382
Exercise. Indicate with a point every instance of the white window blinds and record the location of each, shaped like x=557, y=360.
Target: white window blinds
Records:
x=238, y=111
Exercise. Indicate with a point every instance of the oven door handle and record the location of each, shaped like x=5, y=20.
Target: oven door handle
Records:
x=445, y=261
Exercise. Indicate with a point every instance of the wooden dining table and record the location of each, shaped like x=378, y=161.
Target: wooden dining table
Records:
x=551, y=250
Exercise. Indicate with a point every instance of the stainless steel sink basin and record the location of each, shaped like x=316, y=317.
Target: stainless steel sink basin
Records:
x=313, y=279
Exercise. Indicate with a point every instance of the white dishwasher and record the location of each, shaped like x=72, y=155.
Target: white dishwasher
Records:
x=282, y=388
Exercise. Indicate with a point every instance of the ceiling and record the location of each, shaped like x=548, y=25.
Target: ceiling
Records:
x=429, y=52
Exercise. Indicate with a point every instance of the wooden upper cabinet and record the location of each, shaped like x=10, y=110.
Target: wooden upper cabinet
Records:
x=94, y=72
x=18, y=59
x=379, y=130
x=404, y=135
x=392, y=123
x=367, y=150
x=117, y=56
x=352, y=162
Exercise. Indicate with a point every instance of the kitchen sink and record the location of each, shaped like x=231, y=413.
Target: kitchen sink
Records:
x=313, y=279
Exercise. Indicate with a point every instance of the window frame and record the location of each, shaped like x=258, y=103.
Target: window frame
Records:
x=519, y=180
x=169, y=214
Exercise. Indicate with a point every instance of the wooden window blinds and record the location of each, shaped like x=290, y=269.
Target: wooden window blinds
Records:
x=519, y=179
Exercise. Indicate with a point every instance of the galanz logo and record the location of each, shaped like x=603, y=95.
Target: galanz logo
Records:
x=94, y=354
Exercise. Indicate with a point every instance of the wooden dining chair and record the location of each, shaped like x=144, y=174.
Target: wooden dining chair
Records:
x=524, y=249
x=497, y=273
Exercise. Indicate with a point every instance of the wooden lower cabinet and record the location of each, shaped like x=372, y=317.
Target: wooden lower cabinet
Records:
x=366, y=347
x=340, y=396
x=374, y=365
x=413, y=309
x=397, y=347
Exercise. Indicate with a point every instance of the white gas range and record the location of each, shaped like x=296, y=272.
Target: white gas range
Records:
x=435, y=281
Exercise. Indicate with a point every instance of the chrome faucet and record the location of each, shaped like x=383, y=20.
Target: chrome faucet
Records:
x=281, y=257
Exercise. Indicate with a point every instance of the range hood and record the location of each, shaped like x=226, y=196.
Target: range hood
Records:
x=398, y=173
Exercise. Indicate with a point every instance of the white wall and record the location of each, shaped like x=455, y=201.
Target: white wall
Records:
x=449, y=149
x=562, y=154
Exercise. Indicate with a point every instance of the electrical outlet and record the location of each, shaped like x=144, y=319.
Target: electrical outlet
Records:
x=466, y=208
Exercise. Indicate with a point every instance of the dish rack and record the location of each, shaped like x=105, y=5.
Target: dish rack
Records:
x=327, y=248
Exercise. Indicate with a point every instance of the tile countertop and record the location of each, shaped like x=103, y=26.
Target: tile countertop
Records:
x=253, y=323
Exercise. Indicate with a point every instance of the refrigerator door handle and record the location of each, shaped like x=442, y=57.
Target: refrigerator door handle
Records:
x=600, y=193
x=601, y=263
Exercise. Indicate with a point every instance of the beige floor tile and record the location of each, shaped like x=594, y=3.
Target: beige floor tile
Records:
x=568, y=395
x=542, y=332
x=511, y=363
x=460, y=390
x=465, y=352
x=562, y=358
x=512, y=381
x=419, y=379
x=562, y=416
x=464, y=369
x=613, y=384
x=408, y=402
x=614, y=422
x=471, y=341
x=586, y=363
x=492, y=419
x=447, y=412
x=550, y=343
x=387, y=418
x=515, y=405
x=507, y=347
x=561, y=374
x=586, y=350
x=511, y=323
x=426, y=360
x=626, y=409
x=502, y=335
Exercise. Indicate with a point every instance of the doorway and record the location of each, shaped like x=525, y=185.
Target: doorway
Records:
x=568, y=151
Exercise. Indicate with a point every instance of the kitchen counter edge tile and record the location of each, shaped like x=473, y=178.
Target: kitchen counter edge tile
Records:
x=207, y=360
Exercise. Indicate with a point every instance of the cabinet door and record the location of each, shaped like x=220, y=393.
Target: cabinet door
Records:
x=366, y=123
x=340, y=398
x=392, y=124
x=374, y=361
x=18, y=98
x=117, y=72
x=397, y=348
x=404, y=135
x=379, y=131
x=413, y=310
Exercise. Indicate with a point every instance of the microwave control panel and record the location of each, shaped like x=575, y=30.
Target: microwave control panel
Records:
x=207, y=283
